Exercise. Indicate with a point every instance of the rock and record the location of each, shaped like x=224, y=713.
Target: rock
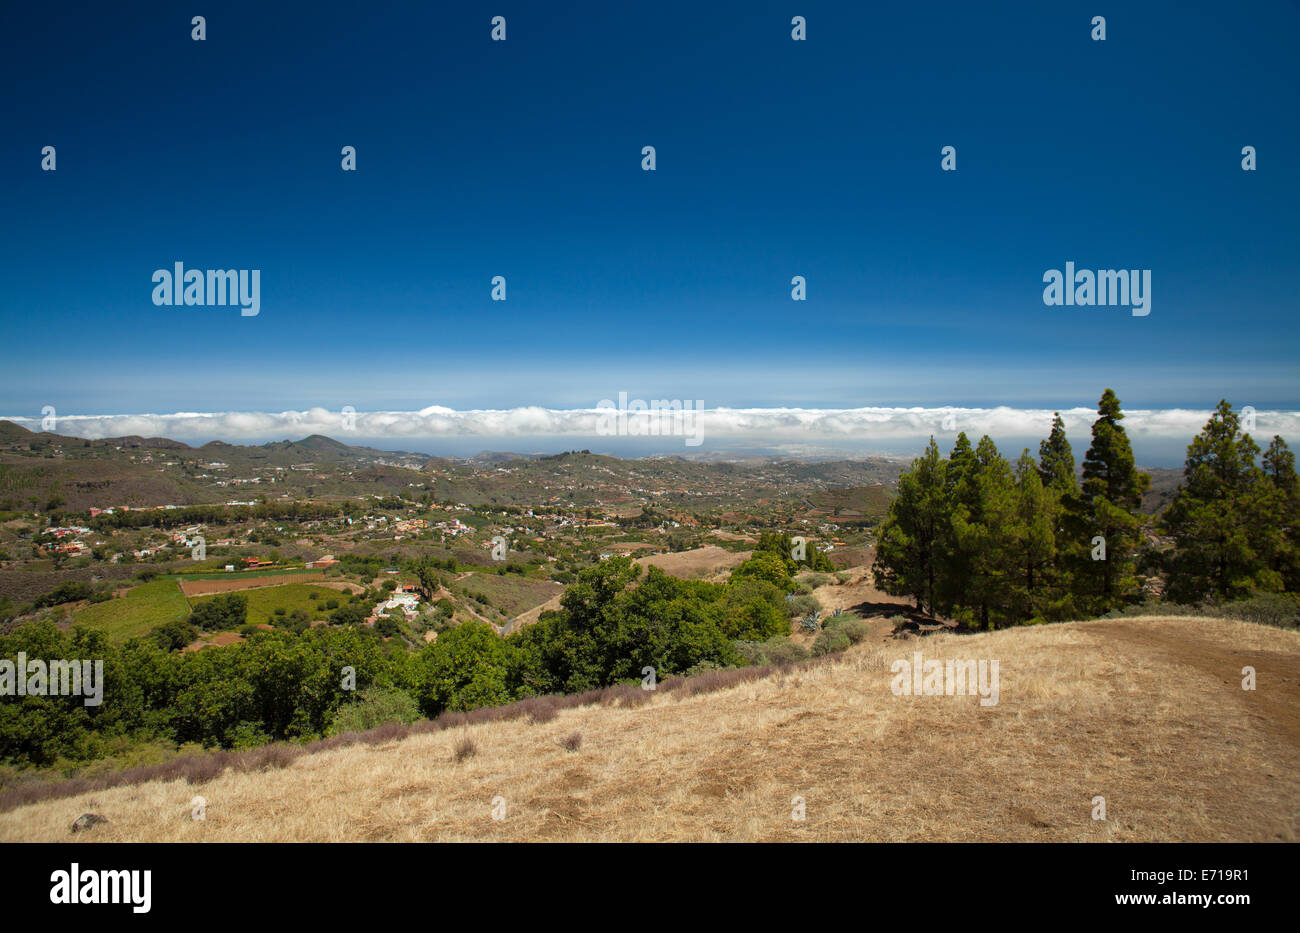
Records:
x=87, y=820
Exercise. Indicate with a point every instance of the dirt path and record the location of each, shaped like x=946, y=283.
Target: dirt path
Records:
x=859, y=595
x=1274, y=704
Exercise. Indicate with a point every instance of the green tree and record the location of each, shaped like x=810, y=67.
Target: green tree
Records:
x=1056, y=461
x=427, y=574
x=907, y=550
x=1032, y=541
x=1060, y=487
x=1104, y=519
x=1279, y=544
x=224, y=613
x=466, y=667
x=1219, y=516
x=981, y=537
x=770, y=567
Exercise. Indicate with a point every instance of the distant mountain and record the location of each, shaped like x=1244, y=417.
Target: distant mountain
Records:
x=35, y=467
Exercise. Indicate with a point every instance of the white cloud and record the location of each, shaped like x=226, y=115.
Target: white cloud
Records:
x=853, y=424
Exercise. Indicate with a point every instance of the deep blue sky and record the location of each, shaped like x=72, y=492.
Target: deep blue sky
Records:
x=522, y=159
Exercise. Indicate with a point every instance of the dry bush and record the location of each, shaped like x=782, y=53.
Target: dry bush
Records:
x=571, y=742
x=538, y=710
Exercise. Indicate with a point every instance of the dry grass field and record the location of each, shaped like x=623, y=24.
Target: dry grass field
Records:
x=697, y=563
x=1148, y=713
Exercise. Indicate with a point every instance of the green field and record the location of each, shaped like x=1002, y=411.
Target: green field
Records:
x=138, y=611
x=512, y=594
x=264, y=600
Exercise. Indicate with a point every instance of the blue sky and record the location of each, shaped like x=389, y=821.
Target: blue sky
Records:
x=775, y=158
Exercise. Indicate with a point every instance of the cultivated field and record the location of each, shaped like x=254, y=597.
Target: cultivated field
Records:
x=135, y=613
x=263, y=601
x=207, y=587
x=1148, y=713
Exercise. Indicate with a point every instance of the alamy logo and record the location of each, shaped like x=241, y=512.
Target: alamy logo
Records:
x=38, y=678
x=655, y=418
x=965, y=677
x=209, y=288
x=1085, y=288
x=103, y=887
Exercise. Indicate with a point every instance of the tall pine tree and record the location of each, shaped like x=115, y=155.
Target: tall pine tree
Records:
x=1032, y=542
x=1056, y=460
x=1060, y=495
x=907, y=549
x=982, y=533
x=1280, y=544
x=1104, y=519
x=1219, y=517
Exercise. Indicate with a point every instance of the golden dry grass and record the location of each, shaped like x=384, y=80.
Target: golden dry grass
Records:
x=1148, y=713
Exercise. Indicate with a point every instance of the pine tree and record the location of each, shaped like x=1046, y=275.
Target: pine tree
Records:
x=1032, y=540
x=1280, y=544
x=953, y=556
x=1103, y=575
x=982, y=533
x=1060, y=494
x=1056, y=461
x=907, y=555
x=1219, y=516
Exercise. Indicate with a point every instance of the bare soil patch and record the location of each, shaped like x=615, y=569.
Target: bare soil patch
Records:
x=207, y=587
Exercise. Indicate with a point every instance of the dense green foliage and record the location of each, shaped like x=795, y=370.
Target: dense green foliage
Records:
x=291, y=683
x=1235, y=524
x=227, y=613
x=608, y=630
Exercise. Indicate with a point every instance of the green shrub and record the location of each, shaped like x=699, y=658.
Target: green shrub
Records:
x=69, y=592
x=248, y=734
x=295, y=623
x=772, y=651
x=351, y=614
x=375, y=706
x=1279, y=610
x=172, y=636
x=856, y=629
x=228, y=612
x=802, y=605
x=831, y=641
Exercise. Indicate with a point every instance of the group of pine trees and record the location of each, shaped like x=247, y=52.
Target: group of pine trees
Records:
x=990, y=543
x=1233, y=522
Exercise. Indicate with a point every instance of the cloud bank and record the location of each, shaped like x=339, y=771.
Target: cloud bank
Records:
x=828, y=425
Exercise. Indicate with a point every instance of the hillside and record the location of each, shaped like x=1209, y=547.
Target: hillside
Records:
x=1148, y=713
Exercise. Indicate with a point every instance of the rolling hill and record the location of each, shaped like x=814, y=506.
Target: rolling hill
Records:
x=1148, y=714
